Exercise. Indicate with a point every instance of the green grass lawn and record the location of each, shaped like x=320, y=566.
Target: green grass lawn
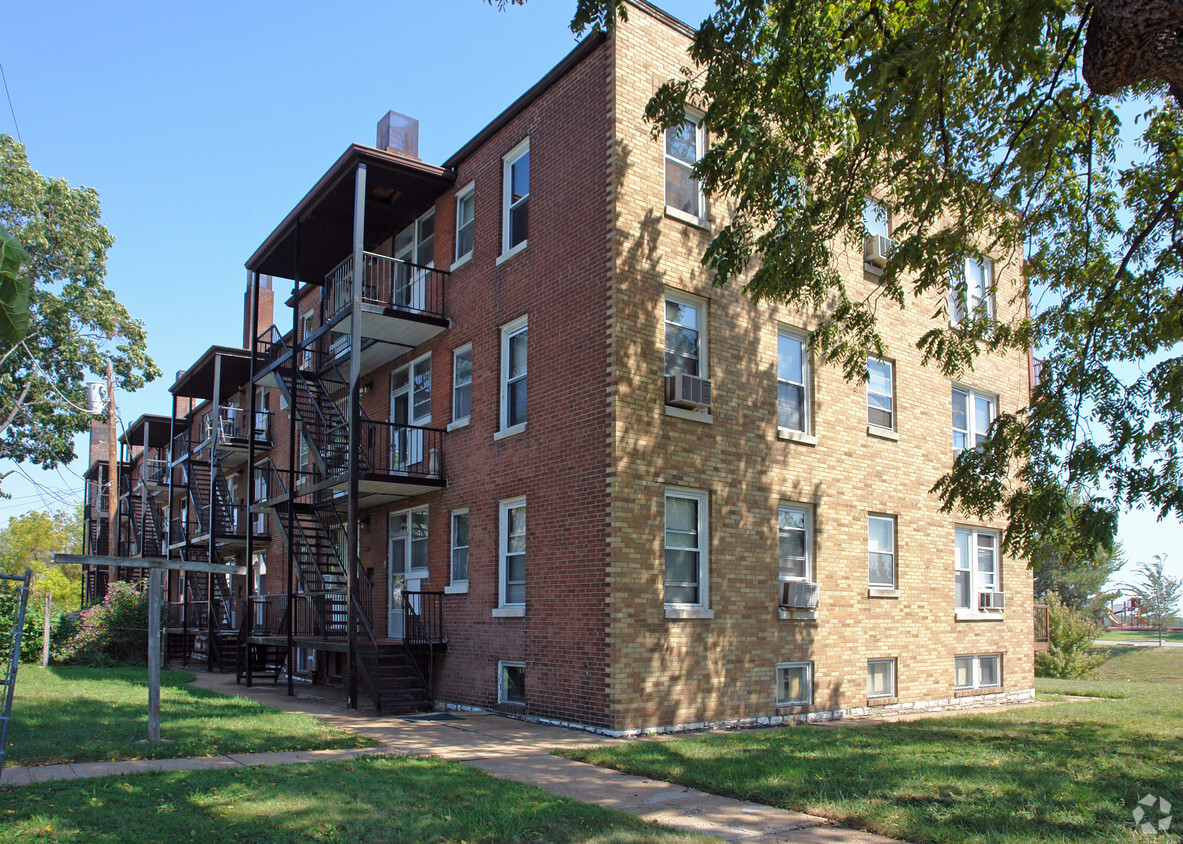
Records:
x=1138, y=636
x=73, y=714
x=1143, y=665
x=376, y=799
x=1070, y=771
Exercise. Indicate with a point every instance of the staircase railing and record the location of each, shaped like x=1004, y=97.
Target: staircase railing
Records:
x=421, y=630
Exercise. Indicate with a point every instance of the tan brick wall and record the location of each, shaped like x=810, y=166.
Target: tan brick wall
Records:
x=675, y=671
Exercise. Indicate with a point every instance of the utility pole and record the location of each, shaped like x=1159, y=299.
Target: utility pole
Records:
x=112, y=473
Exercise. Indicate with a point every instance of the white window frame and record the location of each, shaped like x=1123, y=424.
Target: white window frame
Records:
x=686, y=300
x=455, y=584
x=502, y=699
x=408, y=540
x=895, y=577
x=702, y=498
x=972, y=396
x=808, y=684
x=699, y=219
x=970, y=566
x=503, y=508
x=806, y=385
x=975, y=671
x=977, y=279
x=808, y=511
x=465, y=193
x=892, y=676
x=306, y=355
x=507, y=162
x=509, y=331
x=457, y=353
x=889, y=396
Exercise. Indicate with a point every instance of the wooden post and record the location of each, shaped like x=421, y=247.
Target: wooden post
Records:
x=154, y=653
x=45, y=633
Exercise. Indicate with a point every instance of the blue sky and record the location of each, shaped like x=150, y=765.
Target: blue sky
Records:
x=202, y=124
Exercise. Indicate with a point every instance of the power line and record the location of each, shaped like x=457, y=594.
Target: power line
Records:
x=10, y=108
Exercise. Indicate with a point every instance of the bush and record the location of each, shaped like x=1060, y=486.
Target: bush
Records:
x=1070, y=640
x=61, y=628
x=114, y=631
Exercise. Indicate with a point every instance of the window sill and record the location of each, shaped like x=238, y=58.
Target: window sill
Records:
x=796, y=615
x=509, y=432
x=681, y=216
x=872, y=268
x=509, y=612
x=692, y=415
x=883, y=433
x=795, y=436
x=460, y=262
x=974, y=615
x=505, y=256
x=688, y=612
x=783, y=708
x=978, y=690
x=882, y=592
x=459, y=423
x=460, y=588
x=885, y=700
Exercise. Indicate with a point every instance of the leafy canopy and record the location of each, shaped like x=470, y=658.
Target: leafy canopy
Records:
x=986, y=128
x=74, y=323
x=29, y=541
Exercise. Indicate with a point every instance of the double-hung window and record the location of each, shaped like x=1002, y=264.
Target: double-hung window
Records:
x=881, y=571
x=686, y=548
x=462, y=384
x=881, y=678
x=794, y=529
x=512, y=542
x=513, y=376
x=880, y=394
x=976, y=295
x=980, y=671
x=975, y=564
x=459, y=567
x=515, y=198
x=794, y=683
x=972, y=415
x=685, y=336
x=465, y=215
x=684, y=145
x=792, y=382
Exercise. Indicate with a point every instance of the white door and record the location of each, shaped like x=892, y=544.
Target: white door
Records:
x=410, y=405
x=416, y=245
x=407, y=565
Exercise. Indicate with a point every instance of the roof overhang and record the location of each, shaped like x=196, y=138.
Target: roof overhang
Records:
x=198, y=380
x=157, y=426
x=398, y=189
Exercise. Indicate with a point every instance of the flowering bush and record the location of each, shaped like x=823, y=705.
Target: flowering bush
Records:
x=114, y=631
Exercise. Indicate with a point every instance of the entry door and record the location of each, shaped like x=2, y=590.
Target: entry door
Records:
x=410, y=405
x=416, y=245
x=407, y=561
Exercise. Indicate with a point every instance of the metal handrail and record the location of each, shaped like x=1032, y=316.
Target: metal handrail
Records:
x=388, y=283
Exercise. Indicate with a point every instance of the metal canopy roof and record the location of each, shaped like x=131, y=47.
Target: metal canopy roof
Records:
x=198, y=380
x=398, y=189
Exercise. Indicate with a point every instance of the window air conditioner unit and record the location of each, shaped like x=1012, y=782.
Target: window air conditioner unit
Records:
x=799, y=595
x=994, y=601
x=877, y=249
x=688, y=391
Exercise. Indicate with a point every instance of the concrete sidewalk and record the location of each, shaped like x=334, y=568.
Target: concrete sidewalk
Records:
x=505, y=747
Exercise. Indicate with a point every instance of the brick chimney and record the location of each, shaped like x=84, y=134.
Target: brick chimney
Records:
x=100, y=441
x=266, y=308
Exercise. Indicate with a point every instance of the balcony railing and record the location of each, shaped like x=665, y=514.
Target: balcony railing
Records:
x=391, y=449
x=156, y=472
x=234, y=425
x=387, y=283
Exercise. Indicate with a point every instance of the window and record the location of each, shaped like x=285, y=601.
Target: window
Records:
x=881, y=551
x=977, y=672
x=515, y=200
x=686, y=548
x=875, y=219
x=465, y=206
x=975, y=294
x=459, y=546
x=683, y=147
x=975, y=565
x=792, y=382
x=513, y=552
x=513, y=376
x=881, y=678
x=305, y=333
x=795, y=558
x=684, y=336
x=462, y=383
x=880, y=393
x=794, y=683
x=408, y=541
x=972, y=415
x=511, y=683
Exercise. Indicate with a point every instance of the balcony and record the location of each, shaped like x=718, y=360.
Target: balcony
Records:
x=235, y=433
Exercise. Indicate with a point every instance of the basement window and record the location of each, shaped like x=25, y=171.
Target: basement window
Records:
x=512, y=684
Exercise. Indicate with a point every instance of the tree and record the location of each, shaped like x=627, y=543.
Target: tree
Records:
x=31, y=540
x=1059, y=568
x=74, y=323
x=983, y=127
x=1159, y=593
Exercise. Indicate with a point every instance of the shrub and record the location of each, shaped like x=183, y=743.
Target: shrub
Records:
x=114, y=631
x=60, y=629
x=1070, y=639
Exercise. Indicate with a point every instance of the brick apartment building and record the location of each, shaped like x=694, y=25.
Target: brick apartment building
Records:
x=579, y=482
